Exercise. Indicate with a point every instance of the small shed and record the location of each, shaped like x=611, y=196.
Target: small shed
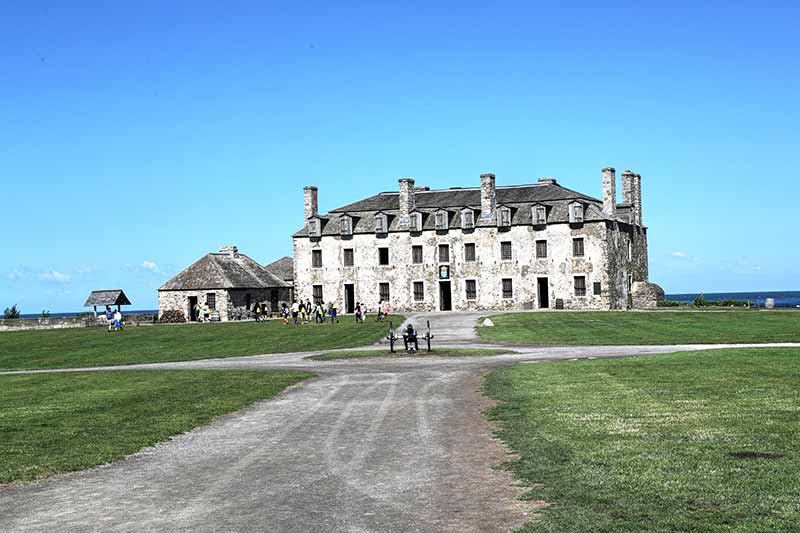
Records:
x=107, y=297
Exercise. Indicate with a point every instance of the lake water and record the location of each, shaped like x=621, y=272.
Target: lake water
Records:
x=782, y=298
x=99, y=311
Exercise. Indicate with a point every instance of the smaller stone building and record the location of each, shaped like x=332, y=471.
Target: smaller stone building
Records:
x=229, y=282
x=283, y=269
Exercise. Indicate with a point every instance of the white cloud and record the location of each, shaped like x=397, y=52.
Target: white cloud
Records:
x=150, y=265
x=54, y=275
x=679, y=254
x=14, y=275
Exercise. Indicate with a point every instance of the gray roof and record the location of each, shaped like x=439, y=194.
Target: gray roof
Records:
x=283, y=268
x=520, y=198
x=224, y=270
x=107, y=297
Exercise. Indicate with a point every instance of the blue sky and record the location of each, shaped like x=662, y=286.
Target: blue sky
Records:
x=135, y=137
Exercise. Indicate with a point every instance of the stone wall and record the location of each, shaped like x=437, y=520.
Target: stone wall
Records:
x=78, y=321
x=560, y=267
x=230, y=304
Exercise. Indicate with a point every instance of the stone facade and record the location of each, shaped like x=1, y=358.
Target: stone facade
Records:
x=229, y=303
x=346, y=265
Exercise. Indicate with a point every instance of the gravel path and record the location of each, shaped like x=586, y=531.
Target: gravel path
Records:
x=369, y=445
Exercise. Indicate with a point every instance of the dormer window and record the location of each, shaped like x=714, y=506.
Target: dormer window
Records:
x=346, y=225
x=415, y=222
x=467, y=219
x=504, y=217
x=380, y=223
x=314, y=227
x=441, y=220
x=539, y=215
x=576, y=213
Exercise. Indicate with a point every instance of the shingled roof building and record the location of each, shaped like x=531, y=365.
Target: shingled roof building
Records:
x=532, y=246
x=229, y=282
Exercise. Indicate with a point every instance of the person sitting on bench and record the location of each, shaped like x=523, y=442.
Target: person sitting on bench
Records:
x=410, y=338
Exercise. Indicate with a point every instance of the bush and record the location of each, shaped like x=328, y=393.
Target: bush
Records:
x=670, y=303
x=11, y=312
x=173, y=316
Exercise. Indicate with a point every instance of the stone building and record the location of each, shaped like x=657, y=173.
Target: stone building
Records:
x=229, y=282
x=534, y=246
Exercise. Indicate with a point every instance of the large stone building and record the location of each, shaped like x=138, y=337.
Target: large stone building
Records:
x=229, y=282
x=533, y=246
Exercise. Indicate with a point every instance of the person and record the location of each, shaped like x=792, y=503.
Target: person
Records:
x=385, y=309
x=109, y=317
x=358, y=312
x=320, y=313
x=380, y=311
x=198, y=315
x=410, y=339
x=295, y=311
x=258, y=312
x=117, y=320
x=206, y=313
x=363, y=312
x=332, y=310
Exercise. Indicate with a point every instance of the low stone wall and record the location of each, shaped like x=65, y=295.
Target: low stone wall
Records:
x=79, y=321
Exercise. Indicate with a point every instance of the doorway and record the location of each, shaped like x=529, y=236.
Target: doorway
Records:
x=542, y=290
x=192, y=311
x=445, y=296
x=349, y=298
x=273, y=300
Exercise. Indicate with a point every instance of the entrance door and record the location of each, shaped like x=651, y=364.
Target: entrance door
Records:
x=349, y=298
x=273, y=300
x=192, y=312
x=542, y=291
x=445, y=297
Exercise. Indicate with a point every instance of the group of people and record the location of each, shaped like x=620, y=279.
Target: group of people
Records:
x=203, y=313
x=303, y=312
x=113, y=319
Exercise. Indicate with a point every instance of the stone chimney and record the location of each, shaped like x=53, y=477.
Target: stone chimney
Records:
x=488, y=196
x=230, y=250
x=627, y=187
x=610, y=192
x=407, y=201
x=637, y=197
x=310, y=197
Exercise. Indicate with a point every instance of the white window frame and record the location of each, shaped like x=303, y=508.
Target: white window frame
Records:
x=464, y=223
x=445, y=220
x=415, y=222
x=314, y=227
x=536, y=210
x=346, y=225
x=574, y=209
x=381, y=224
x=503, y=213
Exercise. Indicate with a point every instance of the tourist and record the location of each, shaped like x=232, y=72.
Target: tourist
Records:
x=117, y=320
x=319, y=313
x=410, y=339
x=363, y=312
x=295, y=311
x=385, y=310
x=358, y=312
x=206, y=313
x=332, y=311
x=109, y=317
x=197, y=312
x=380, y=311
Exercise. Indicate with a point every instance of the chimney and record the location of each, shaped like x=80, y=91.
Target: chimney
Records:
x=627, y=187
x=610, y=192
x=488, y=196
x=407, y=201
x=230, y=250
x=637, y=194
x=310, y=196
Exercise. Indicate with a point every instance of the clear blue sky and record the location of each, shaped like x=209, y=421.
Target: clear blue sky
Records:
x=135, y=137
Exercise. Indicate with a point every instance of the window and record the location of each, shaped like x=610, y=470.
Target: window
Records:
x=380, y=223
x=580, y=285
x=416, y=254
x=346, y=225
x=415, y=222
x=472, y=290
x=211, y=300
x=467, y=219
x=383, y=289
x=316, y=258
x=314, y=227
x=508, y=288
x=575, y=213
x=441, y=220
x=383, y=256
x=577, y=247
x=505, y=251
x=444, y=253
x=539, y=215
x=317, y=293
x=247, y=300
x=597, y=288
x=347, y=257
x=505, y=217
x=541, y=249
x=469, y=252
x=419, y=291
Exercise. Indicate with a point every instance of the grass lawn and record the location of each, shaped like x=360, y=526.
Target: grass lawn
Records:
x=53, y=423
x=70, y=348
x=442, y=352
x=678, y=327
x=703, y=441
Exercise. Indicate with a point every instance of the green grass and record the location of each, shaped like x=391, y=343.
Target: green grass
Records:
x=675, y=327
x=703, y=441
x=442, y=352
x=52, y=423
x=71, y=348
